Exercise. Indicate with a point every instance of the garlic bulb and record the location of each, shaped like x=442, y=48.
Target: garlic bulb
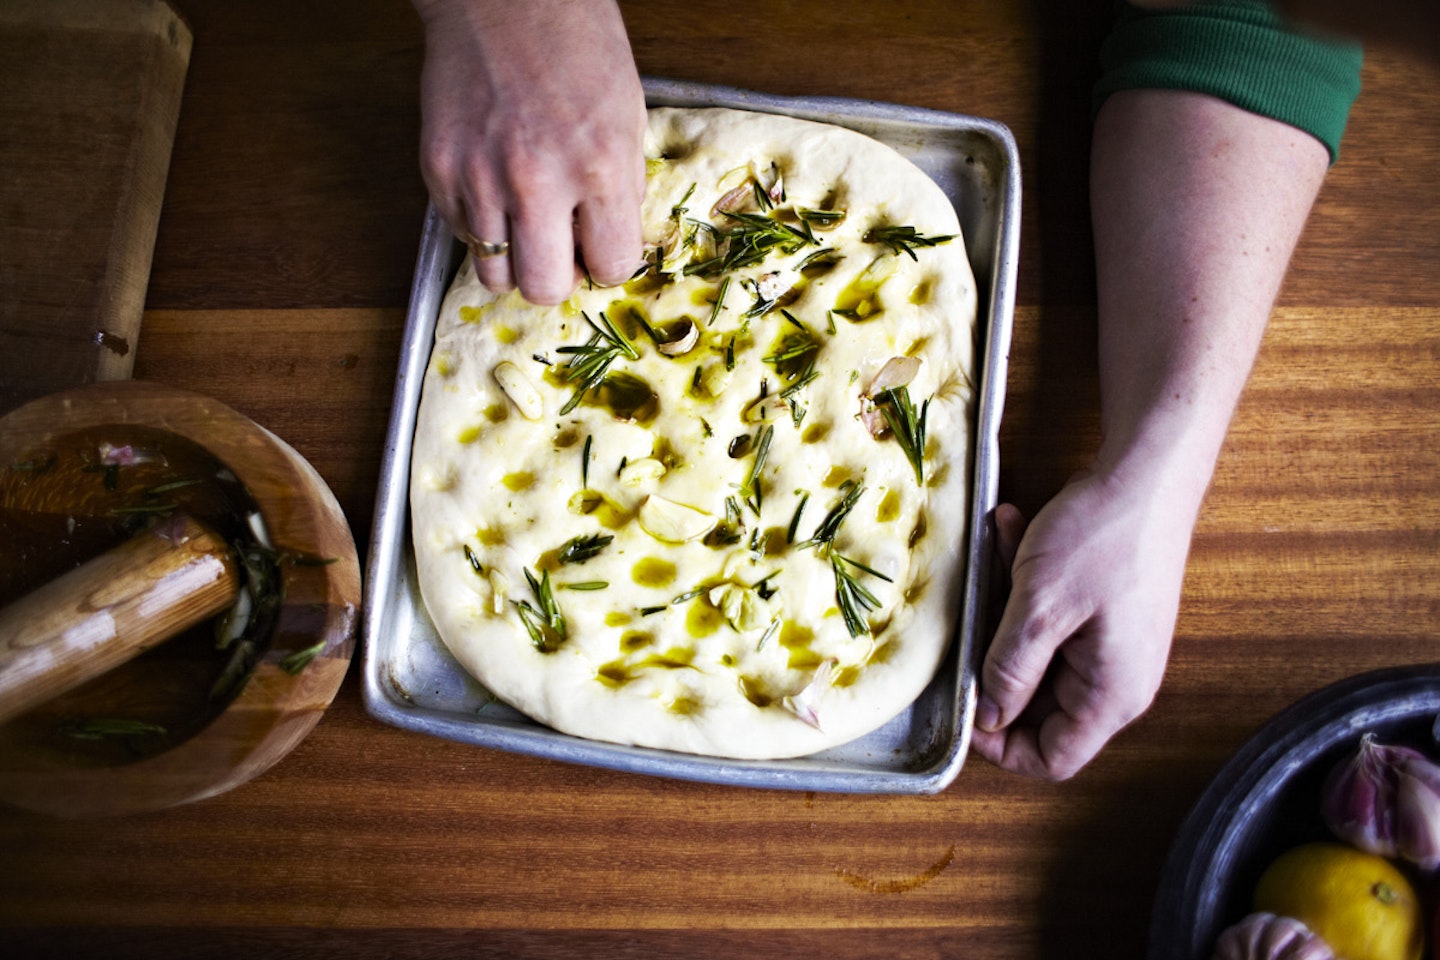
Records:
x=1264, y=936
x=1386, y=800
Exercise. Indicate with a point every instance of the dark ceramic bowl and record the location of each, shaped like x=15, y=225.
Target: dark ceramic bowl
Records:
x=1266, y=799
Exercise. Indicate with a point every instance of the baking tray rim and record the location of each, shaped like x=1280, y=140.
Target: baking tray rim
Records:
x=390, y=531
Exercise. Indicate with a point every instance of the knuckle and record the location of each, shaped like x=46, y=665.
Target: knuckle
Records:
x=1006, y=672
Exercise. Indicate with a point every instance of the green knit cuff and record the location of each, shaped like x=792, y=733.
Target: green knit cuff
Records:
x=1241, y=52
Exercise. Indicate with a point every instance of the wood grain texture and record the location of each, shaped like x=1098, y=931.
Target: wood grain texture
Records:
x=89, y=97
x=283, y=263
x=110, y=610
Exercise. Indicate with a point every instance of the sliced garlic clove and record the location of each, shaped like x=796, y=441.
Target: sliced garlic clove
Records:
x=761, y=410
x=637, y=472
x=499, y=590
x=713, y=379
x=806, y=704
x=773, y=183
x=681, y=338
x=671, y=522
x=520, y=390
x=771, y=287
x=897, y=372
x=738, y=604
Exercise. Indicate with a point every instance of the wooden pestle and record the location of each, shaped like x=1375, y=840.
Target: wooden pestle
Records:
x=113, y=608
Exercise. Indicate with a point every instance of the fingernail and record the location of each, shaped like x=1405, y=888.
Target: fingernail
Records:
x=987, y=714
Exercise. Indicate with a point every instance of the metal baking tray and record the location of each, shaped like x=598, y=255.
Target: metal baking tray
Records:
x=410, y=679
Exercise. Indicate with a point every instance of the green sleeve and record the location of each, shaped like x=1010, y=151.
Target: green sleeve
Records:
x=1240, y=51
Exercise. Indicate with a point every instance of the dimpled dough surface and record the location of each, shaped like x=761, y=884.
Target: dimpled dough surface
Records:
x=702, y=624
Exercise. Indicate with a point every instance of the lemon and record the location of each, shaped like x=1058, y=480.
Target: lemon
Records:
x=1359, y=903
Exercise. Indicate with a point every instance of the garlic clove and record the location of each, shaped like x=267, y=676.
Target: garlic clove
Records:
x=671, y=522
x=771, y=287
x=680, y=339
x=499, y=590
x=636, y=473
x=1264, y=936
x=1358, y=801
x=1417, y=817
x=806, y=704
x=897, y=372
x=520, y=390
x=1386, y=800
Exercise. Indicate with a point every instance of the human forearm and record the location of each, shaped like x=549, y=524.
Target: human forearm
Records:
x=1196, y=208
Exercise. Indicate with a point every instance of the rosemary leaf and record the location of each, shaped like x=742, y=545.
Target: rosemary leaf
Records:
x=293, y=663
x=754, y=495
x=98, y=728
x=795, y=520
x=821, y=218
x=719, y=301
x=155, y=491
x=765, y=637
x=583, y=548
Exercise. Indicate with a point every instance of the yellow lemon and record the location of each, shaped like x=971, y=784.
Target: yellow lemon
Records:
x=1359, y=903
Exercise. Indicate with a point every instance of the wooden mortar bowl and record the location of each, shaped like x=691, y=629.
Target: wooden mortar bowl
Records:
x=274, y=710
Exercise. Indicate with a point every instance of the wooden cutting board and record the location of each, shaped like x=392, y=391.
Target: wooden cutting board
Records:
x=89, y=100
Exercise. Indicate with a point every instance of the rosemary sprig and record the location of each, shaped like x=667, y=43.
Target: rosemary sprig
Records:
x=580, y=549
x=546, y=625
x=474, y=560
x=851, y=596
x=903, y=239
x=585, y=461
x=748, y=240
x=586, y=585
x=590, y=361
x=907, y=424
x=794, y=348
x=824, y=534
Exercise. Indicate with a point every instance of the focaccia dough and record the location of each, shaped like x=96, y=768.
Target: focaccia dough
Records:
x=712, y=621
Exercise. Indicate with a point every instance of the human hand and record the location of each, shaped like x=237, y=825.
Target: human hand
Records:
x=1081, y=647
x=533, y=119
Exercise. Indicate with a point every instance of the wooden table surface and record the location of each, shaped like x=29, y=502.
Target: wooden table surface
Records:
x=281, y=274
